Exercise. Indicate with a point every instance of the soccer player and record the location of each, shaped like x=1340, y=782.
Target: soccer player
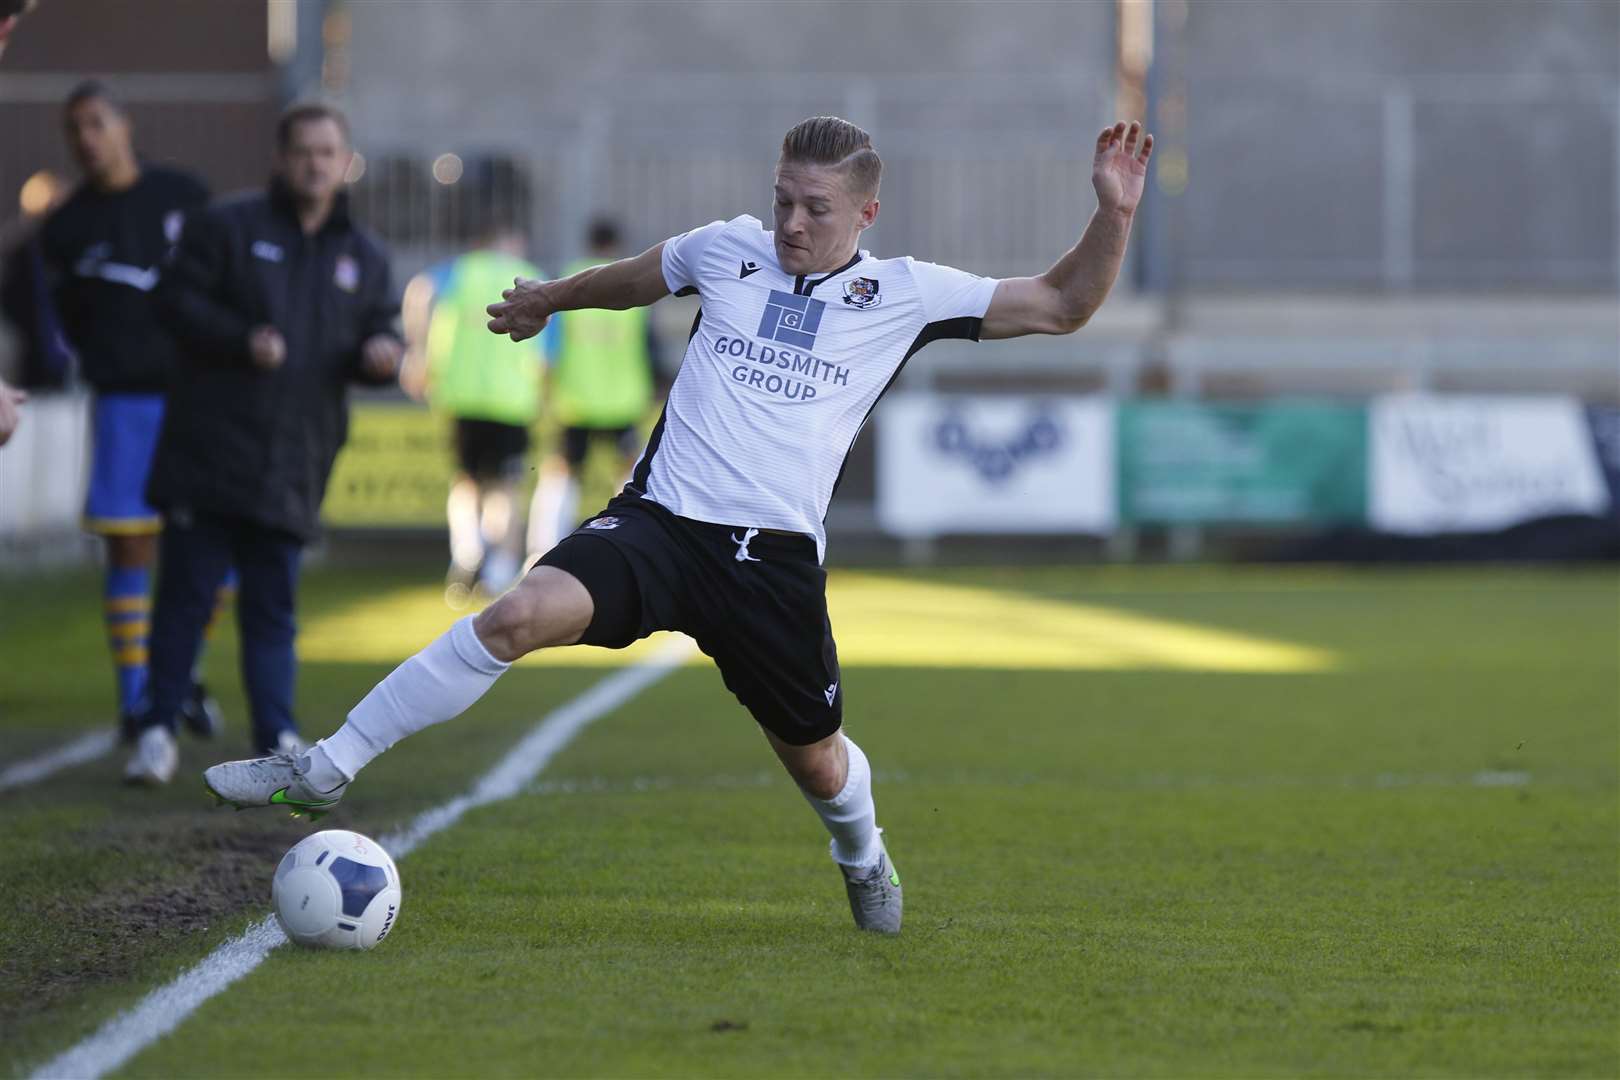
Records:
x=101, y=252
x=719, y=531
x=600, y=389
x=490, y=389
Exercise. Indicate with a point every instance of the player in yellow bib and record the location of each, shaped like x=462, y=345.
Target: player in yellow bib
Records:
x=491, y=392
x=600, y=389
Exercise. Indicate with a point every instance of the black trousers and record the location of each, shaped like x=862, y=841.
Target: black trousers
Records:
x=196, y=552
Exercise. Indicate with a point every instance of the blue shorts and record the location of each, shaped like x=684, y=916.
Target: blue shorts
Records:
x=125, y=433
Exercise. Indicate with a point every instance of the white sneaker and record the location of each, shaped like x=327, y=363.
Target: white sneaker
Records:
x=155, y=758
x=875, y=898
x=275, y=780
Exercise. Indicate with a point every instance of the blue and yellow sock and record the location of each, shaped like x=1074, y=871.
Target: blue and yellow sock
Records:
x=128, y=611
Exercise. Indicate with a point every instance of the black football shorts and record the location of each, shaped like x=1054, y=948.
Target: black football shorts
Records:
x=754, y=601
x=489, y=450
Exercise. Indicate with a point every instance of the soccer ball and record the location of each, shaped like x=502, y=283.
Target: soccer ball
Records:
x=336, y=890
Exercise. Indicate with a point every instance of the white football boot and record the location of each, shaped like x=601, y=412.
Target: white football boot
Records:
x=155, y=758
x=274, y=780
x=874, y=894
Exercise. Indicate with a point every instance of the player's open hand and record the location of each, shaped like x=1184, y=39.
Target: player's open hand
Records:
x=1120, y=167
x=522, y=311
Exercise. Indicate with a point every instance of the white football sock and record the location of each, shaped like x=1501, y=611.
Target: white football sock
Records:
x=437, y=684
x=850, y=815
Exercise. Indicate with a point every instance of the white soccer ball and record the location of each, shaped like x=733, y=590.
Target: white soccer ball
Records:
x=336, y=890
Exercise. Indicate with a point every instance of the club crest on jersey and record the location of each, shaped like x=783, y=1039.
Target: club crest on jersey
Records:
x=862, y=292
x=791, y=319
x=346, y=273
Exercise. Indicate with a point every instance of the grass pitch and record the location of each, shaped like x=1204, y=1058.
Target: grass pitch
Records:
x=1257, y=823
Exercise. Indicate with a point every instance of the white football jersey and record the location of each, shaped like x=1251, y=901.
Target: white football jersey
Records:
x=781, y=373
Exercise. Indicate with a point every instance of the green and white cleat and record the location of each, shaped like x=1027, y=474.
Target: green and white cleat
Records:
x=874, y=894
x=276, y=780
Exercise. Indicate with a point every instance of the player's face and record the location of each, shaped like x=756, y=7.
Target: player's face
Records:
x=315, y=159
x=99, y=137
x=818, y=218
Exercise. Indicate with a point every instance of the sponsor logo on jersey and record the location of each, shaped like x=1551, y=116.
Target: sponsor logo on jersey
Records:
x=749, y=266
x=264, y=249
x=791, y=319
x=346, y=273
x=608, y=522
x=862, y=292
x=812, y=369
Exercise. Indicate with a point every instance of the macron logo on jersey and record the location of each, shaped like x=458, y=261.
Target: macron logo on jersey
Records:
x=791, y=319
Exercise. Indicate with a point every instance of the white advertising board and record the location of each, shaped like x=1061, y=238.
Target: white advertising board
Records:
x=965, y=464
x=1477, y=463
x=43, y=468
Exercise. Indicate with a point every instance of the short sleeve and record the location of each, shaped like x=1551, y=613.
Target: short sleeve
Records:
x=949, y=293
x=683, y=253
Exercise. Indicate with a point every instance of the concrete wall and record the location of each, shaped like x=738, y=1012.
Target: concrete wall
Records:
x=1427, y=144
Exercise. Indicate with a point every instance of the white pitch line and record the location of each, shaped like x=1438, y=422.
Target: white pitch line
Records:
x=161, y=1011
x=33, y=770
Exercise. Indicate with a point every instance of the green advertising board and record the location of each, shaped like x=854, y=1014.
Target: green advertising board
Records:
x=1278, y=462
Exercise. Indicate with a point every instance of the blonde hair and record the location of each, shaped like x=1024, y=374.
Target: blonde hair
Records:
x=837, y=143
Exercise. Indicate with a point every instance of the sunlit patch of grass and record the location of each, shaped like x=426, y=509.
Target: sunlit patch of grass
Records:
x=882, y=620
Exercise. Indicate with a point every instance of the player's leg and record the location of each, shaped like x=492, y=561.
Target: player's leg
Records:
x=552, y=512
x=461, y=513
x=267, y=563
x=780, y=660
x=499, y=524
x=199, y=712
x=125, y=429
x=194, y=555
x=127, y=611
x=836, y=779
x=548, y=607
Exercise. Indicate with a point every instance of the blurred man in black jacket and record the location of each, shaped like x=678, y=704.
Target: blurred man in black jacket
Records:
x=279, y=302
x=101, y=254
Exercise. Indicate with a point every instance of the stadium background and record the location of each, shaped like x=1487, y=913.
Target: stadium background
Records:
x=1160, y=820
x=1349, y=201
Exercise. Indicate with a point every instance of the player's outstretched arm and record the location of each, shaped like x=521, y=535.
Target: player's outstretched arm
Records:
x=634, y=282
x=1061, y=300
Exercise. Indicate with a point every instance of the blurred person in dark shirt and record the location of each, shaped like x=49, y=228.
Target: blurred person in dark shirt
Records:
x=101, y=254
x=280, y=301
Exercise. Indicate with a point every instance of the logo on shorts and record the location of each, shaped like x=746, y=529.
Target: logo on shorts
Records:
x=831, y=692
x=608, y=522
x=862, y=292
x=346, y=273
x=791, y=319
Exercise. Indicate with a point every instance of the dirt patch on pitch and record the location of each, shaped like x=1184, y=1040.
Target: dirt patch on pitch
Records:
x=185, y=878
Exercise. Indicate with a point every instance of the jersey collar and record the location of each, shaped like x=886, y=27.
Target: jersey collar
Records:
x=803, y=285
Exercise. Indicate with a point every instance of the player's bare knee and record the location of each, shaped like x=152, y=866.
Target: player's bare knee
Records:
x=821, y=776
x=546, y=608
